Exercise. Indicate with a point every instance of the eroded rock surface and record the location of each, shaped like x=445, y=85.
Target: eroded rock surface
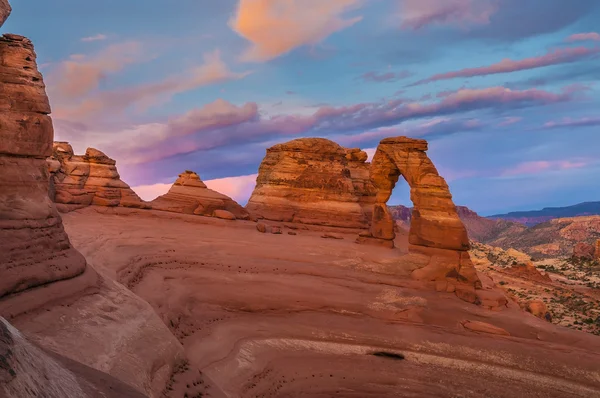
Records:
x=35, y=249
x=189, y=195
x=314, y=181
x=4, y=11
x=90, y=179
x=46, y=288
x=436, y=234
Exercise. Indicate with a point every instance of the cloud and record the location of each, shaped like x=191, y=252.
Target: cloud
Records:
x=74, y=105
x=81, y=74
x=555, y=57
x=568, y=122
x=510, y=120
x=417, y=14
x=375, y=77
x=541, y=166
x=98, y=37
x=238, y=188
x=277, y=27
x=591, y=36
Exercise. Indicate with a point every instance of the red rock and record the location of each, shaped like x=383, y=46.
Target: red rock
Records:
x=583, y=250
x=528, y=271
x=313, y=181
x=4, y=11
x=224, y=214
x=597, y=250
x=292, y=233
x=276, y=230
x=539, y=309
x=189, y=195
x=483, y=327
x=91, y=179
x=331, y=236
x=260, y=227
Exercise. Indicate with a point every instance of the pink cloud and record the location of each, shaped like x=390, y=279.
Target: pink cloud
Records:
x=591, y=36
x=510, y=120
x=277, y=27
x=238, y=188
x=555, y=57
x=569, y=122
x=416, y=14
x=82, y=74
x=151, y=192
x=76, y=105
x=541, y=166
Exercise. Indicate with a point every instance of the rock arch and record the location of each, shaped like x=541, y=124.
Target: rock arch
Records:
x=436, y=229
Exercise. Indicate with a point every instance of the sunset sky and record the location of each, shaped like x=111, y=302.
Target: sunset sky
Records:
x=505, y=91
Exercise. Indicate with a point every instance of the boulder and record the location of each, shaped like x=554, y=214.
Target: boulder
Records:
x=260, y=227
x=90, y=179
x=313, y=181
x=223, y=214
x=539, y=309
x=189, y=195
x=276, y=230
x=483, y=327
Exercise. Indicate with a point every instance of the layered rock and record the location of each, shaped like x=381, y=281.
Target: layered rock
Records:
x=313, y=181
x=585, y=251
x=189, y=195
x=91, y=179
x=47, y=290
x=35, y=248
x=436, y=230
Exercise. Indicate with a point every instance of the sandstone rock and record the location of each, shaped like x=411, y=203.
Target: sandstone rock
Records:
x=528, y=271
x=292, y=233
x=91, y=179
x=331, y=236
x=46, y=288
x=4, y=11
x=28, y=371
x=276, y=230
x=189, y=195
x=435, y=228
x=483, y=327
x=35, y=249
x=539, y=309
x=223, y=214
x=260, y=227
x=597, y=250
x=585, y=251
x=313, y=181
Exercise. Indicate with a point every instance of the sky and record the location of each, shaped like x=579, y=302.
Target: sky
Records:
x=505, y=91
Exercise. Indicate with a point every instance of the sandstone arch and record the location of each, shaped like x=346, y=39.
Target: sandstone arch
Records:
x=436, y=229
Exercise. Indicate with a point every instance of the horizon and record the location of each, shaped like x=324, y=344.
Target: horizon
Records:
x=509, y=110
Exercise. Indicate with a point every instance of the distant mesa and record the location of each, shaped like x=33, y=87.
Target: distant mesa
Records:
x=90, y=179
x=314, y=181
x=189, y=195
x=534, y=217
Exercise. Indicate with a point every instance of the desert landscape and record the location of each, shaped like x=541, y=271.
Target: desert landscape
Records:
x=319, y=286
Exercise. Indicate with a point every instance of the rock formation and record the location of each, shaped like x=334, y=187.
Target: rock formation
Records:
x=528, y=271
x=35, y=249
x=584, y=251
x=91, y=179
x=436, y=229
x=4, y=11
x=47, y=290
x=189, y=195
x=313, y=181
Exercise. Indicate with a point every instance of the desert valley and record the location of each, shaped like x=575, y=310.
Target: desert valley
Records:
x=317, y=287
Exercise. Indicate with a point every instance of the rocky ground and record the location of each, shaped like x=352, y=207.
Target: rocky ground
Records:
x=283, y=315
x=571, y=293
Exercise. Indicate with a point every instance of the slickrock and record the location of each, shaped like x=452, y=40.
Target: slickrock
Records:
x=47, y=290
x=528, y=271
x=313, y=181
x=189, y=195
x=436, y=231
x=27, y=370
x=35, y=248
x=91, y=179
x=483, y=327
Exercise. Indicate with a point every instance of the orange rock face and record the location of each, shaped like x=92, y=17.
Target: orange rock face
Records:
x=314, y=181
x=189, y=195
x=4, y=11
x=91, y=179
x=34, y=247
